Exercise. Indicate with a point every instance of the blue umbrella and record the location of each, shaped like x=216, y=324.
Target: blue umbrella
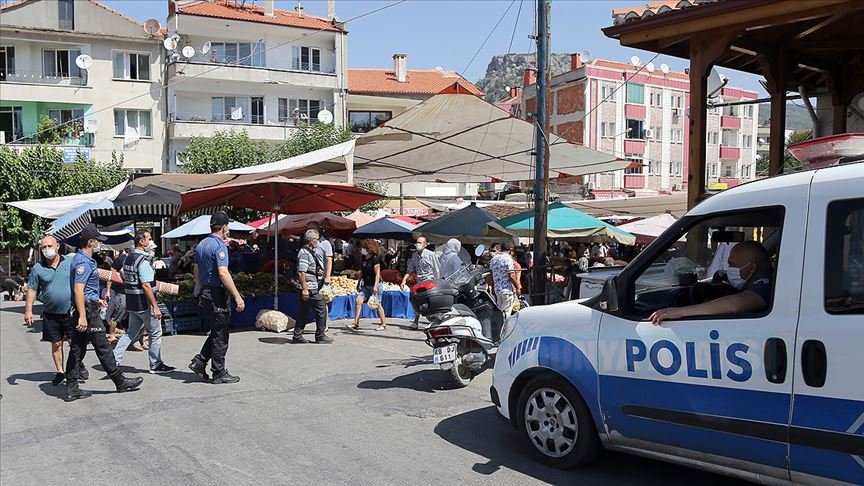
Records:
x=389, y=228
x=468, y=225
x=200, y=226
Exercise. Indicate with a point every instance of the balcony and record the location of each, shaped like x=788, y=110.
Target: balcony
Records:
x=32, y=77
x=634, y=146
x=634, y=111
x=634, y=181
x=251, y=74
x=730, y=122
x=187, y=125
x=733, y=153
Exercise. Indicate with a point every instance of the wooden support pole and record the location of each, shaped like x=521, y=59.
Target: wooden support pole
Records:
x=699, y=68
x=777, y=147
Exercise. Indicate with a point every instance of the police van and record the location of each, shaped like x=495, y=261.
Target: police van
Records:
x=773, y=395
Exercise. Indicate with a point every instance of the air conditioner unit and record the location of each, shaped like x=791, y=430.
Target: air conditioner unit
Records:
x=676, y=112
x=649, y=133
x=676, y=187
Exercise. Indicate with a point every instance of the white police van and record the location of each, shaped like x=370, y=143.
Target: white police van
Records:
x=775, y=396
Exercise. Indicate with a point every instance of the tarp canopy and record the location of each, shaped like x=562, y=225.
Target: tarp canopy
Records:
x=295, y=224
x=458, y=138
x=387, y=227
x=634, y=206
x=361, y=218
x=342, y=153
x=54, y=207
x=468, y=225
x=563, y=222
x=200, y=226
x=647, y=230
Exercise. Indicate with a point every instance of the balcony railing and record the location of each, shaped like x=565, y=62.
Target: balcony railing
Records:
x=316, y=68
x=226, y=119
x=33, y=77
x=729, y=152
x=730, y=122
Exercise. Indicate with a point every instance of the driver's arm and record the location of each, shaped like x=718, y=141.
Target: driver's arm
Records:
x=740, y=303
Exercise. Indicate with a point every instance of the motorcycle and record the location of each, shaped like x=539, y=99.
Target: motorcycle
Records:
x=465, y=322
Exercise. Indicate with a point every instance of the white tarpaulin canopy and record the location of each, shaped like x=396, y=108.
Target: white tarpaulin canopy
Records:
x=652, y=227
x=54, y=207
x=458, y=138
x=342, y=153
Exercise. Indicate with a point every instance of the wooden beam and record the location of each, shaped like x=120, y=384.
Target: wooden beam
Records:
x=818, y=26
x=835, y=81
x=778, y=69
x=829, y=45
x=702, y=54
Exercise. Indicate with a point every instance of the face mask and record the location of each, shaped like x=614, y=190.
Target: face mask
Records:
x=733, y=274
x=364, y=252
x=419, y=246
x=49, y=253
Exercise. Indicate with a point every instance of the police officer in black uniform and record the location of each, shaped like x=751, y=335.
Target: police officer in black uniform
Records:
x=88, y=324
x=214, y=283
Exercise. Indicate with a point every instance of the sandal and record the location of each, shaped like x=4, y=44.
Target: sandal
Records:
x=381, y=327
x=353, y=327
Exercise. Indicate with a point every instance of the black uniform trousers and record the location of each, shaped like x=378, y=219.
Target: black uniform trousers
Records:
x=319, y=307
x=213, y=303
x=95, y=335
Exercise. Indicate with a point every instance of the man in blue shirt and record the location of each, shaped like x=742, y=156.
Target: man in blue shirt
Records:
x=139, y=287
x=49, y=283
x=88, y=323
x=214, y=283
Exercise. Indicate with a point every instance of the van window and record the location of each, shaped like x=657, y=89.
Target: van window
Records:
x=700, y=255
x=844, y=257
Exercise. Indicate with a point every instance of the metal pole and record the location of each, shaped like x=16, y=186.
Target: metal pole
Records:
x=541, y=149
x=401, y=200
x=276, y=263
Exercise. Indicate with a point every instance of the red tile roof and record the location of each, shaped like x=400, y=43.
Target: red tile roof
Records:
x=227, y=9
x=622, y=15
x=420, y=82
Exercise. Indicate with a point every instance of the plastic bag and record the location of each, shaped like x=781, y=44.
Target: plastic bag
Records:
x=374, y=302
x=327, y=293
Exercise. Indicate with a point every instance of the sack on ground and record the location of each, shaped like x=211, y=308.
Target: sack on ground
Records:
x=274, y=321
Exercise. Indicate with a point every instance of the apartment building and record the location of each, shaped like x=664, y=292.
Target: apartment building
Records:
x=114, y=105
x=643, y=117
x=377, y=95
x=254, y=67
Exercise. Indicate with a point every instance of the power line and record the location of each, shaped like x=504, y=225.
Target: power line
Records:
x=218, y=66
x=476, y=53
x=515, y=25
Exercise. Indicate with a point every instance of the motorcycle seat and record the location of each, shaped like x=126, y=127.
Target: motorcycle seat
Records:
x=461, y=310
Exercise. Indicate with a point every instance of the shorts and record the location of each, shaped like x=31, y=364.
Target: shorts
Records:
x=56, y=327
x=366, y=292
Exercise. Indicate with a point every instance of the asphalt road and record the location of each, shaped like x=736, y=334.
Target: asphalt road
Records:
x=370, y=409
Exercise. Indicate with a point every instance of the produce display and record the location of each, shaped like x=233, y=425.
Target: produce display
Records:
x=343, y=285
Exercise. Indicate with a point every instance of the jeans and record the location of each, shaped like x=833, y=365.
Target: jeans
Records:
x=154, y=327
x=213, y=301
x=95, y=335
x=316, y=303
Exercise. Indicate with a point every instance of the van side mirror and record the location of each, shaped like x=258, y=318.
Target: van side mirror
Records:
x=610, y=294
x=478, y=251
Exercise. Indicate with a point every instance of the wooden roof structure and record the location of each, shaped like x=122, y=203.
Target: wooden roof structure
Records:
x=814, y=44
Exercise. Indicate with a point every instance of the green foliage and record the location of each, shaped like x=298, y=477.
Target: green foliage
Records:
x=48, y=131
x=310, y=138
x=378, y=187
x=790, y=163
x=39, y=172
x=248, y=284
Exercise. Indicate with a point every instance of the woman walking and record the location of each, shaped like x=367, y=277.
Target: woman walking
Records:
x=371, y=282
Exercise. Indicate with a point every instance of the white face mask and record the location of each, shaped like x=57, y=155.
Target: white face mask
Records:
x=733, y=274
x=49, y=253
x=419, y=246
x=363, y=252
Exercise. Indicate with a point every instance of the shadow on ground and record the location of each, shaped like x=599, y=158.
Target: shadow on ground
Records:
x=427, y=381
x=484, y=433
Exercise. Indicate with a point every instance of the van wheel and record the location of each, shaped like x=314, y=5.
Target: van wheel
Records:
x=555, y=420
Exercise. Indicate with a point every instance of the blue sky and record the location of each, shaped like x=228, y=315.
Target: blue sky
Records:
x=447, y=33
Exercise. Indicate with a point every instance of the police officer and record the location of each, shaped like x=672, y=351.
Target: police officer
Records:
x=88, y=323
x=214, y=283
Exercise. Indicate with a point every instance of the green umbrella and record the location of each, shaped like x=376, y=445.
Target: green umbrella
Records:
x=564, y=222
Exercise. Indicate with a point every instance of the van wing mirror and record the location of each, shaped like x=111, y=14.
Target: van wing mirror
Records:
x=610, y=294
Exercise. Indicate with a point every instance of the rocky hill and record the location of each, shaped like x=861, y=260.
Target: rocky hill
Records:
x=507, y=70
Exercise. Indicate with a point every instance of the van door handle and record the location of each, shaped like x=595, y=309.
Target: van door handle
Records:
x=814, y=363
x=775, y=360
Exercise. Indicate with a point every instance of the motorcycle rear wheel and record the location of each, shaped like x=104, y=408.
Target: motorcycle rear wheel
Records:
x=460, y=374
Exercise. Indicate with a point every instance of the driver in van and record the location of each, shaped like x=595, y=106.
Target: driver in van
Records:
x=749, y=271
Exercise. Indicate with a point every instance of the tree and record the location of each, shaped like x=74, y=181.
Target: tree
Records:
x=790, y=163
x=378, y=187
x=39, y=172
x=309, y=138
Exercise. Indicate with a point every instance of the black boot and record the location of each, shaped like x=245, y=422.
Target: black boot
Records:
x=199, y=367
x=83, y=373
x=74, y=392
x=124, y=384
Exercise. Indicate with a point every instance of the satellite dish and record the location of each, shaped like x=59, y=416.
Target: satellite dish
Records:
x=636, y=61
x=325, y=117
x=586, y=56
x=715, y=83
x=176, y=37
x=170, y=43
x=664, y=68
x=175, y=57
x=507, y=89
x=91, y=125
x=188, y=52
x=152, y=26
x=84, y=61
x=650, y=67
x=205, y=48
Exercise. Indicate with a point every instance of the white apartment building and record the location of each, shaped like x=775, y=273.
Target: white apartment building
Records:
x=115, y=105
x=643, y=117
x=254, y=67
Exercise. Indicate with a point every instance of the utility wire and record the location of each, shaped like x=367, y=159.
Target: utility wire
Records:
x=218, y=66
x=488, y=36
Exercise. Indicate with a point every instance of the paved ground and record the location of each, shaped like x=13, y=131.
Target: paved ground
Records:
x=369, y=410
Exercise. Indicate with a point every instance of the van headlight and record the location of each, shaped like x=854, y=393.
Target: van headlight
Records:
x=509, y=326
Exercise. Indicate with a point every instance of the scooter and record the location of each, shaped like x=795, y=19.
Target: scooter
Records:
x=465, y=322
